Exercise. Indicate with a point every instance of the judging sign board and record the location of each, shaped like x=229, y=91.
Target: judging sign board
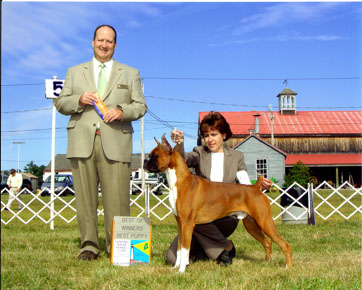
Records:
x=53, y=87
x=130, y=241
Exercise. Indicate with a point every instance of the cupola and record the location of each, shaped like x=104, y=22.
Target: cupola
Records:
x=287, y=102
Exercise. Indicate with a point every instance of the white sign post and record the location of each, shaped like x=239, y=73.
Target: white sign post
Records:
x=53, y=88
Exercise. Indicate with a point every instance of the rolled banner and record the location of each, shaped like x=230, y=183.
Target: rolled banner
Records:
x=100, y=106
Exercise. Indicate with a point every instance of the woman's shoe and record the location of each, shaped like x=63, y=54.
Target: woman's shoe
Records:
x=226, y=257
x=232, y=252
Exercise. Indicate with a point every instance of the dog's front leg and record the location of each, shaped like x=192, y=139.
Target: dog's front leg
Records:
x=179, y=242
x=187, y=230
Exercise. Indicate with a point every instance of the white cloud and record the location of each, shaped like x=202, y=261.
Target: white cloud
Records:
x=133, y=23
x=279, y=38
x=282, y=22
x=147, y=9
x=46, y=36
x=298, y=37
x=234, y=42
x=283, y=14
x=321, y=37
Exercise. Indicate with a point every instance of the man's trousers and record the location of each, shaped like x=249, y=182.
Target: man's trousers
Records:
x=114, y=178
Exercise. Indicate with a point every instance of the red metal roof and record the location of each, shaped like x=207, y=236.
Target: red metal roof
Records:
x=325, y=159
x=302, y=123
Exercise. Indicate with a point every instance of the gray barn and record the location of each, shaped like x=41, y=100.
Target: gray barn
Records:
x=262, y=158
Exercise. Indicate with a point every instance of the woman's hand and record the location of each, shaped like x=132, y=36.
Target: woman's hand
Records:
x=266, y=184
x=177, y=136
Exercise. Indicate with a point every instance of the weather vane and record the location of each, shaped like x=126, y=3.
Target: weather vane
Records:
x=285, y=82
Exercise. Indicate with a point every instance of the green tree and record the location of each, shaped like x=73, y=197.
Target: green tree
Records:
x=34, y=169
x=298, y=173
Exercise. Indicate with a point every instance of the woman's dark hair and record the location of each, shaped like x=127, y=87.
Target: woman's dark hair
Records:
x=215, y=121
x=109, y=26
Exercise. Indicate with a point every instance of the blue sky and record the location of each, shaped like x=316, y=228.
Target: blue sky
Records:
x=193, y=57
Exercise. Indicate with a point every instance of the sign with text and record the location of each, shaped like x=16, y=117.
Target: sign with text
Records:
x=53, y=87
x=130, y=241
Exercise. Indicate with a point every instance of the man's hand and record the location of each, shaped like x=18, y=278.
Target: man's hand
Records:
x=87, y=98
x=113, y=115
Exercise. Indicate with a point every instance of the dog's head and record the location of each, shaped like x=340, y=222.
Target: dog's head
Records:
x=159, y=158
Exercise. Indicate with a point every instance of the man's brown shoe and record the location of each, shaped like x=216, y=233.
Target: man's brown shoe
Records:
x=87, y=256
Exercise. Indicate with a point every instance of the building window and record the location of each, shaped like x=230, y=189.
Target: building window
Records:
x=262, y=167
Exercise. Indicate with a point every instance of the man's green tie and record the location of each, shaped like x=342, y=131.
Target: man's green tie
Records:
x=102, y=81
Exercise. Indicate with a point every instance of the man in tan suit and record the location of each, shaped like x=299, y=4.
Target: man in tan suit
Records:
x=100, y=150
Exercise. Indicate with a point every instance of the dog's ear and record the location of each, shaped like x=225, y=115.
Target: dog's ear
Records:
x=158, y=143
x=165, y=145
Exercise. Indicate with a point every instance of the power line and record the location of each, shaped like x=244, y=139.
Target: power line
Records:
x=238, y=105
x=159, y=119
x=167, y=124
x=200, y=102
x=250, y=79
x=31, y=130
x=15, y=85
x=24, y=111
x=39, y=138
x=14, y=138
x=215, y=79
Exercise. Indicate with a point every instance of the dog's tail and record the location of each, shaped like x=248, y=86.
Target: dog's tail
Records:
x=259, y=181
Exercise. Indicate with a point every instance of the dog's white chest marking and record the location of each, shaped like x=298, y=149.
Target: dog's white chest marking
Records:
x=171, y=179
x=240, y=214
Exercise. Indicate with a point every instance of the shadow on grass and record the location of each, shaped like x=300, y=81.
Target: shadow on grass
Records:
x=241, y=255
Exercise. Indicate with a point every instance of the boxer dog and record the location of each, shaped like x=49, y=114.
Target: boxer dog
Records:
x=196, y=200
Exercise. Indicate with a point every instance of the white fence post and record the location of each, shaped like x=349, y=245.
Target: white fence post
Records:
x=311, y=215
x=147, y=200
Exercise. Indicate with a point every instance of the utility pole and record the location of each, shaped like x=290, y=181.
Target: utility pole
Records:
x=271, y=116
x=18, y=142
x=143, y=158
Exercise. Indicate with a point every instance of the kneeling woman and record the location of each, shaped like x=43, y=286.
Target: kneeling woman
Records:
x=221, y=164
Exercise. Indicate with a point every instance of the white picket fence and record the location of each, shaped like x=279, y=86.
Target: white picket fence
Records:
x=345, y=201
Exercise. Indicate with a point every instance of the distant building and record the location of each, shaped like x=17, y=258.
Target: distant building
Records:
x=62, y=164
x=4, y=176
x=261, y=158
x=33, y=179
x=328, y=142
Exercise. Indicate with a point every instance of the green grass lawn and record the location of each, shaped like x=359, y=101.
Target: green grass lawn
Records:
x=325, y=256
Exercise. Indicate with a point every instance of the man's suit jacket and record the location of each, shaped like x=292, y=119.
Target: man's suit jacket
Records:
x=200, y=159
x=123, y=91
